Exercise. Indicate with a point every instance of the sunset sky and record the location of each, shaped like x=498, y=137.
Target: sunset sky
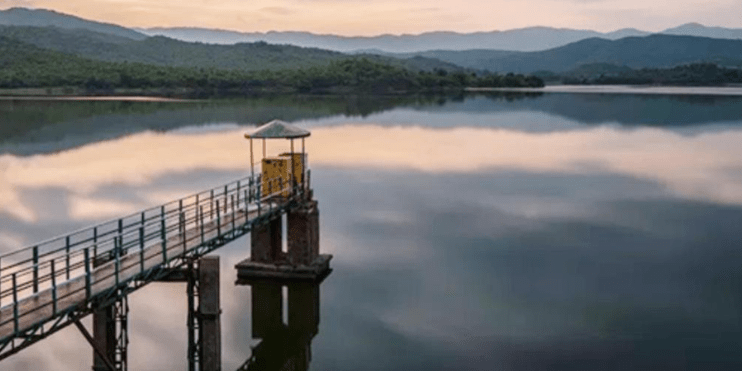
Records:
x=372, y=17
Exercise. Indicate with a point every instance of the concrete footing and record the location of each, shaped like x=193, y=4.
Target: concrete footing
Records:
x=302, y=261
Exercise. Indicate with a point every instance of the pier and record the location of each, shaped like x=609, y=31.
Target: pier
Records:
x=56, y=283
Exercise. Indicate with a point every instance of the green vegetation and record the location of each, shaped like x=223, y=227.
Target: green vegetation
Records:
x=698, y=74
x=23, y=66
x=162, y=51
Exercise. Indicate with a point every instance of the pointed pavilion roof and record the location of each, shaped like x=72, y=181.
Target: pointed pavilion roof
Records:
x=277, y=129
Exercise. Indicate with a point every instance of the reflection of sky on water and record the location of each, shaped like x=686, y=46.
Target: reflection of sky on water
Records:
x=455, y=248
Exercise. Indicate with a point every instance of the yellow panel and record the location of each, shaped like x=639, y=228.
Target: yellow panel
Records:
x=299, y=159
x=275, y=176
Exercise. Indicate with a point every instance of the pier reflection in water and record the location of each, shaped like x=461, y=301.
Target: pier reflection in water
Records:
x=283, y=345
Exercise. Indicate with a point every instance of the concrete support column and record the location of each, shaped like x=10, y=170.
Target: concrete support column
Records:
x=209, y=312
x=104, y=336
x=303, y=234
x=265, y=242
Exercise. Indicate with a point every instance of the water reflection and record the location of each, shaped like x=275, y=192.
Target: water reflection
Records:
x=30, y=127
x=464, y=238
x=283, y=345
x=703, y=167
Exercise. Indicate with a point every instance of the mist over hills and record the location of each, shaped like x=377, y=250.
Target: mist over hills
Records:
x=525, y=39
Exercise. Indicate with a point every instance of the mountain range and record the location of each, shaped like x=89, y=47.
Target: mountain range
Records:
x=525, y=50
x=524, y=39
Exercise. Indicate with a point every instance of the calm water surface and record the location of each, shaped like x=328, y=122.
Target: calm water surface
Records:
x=523, y=232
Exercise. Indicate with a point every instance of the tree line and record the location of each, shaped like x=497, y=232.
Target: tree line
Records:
x=697, y=74
x=24, y=66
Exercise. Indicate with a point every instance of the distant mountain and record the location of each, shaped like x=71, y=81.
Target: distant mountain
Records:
x=696, y=29
x=651, y=51
x=164, y=51
x=46, y=18
x=525, y=39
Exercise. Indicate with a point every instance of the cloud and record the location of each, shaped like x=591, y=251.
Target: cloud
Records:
x=18, y=3
x=277, y=10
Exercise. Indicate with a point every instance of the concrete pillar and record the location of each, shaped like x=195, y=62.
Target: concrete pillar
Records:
x=265, y=242
x=104, y=336
x=209, y=312
x=303, y=234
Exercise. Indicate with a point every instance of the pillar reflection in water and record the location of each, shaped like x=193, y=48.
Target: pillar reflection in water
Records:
x=283, y=346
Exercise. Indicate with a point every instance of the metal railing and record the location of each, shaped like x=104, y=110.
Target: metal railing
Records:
x=54, y=274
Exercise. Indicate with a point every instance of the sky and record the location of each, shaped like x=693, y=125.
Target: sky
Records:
x=374, y=17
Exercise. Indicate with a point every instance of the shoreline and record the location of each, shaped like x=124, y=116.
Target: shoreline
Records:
x=622, y=89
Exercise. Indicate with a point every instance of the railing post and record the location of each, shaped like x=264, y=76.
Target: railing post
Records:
x=67, y=256
x=211, y=206
x=259, y=197
x=201, y=212
x=225, y=198
x=233, y=213
x=35, y=269
x=183, y=233
x=163, y=234
x=141, y=248
x=54, y=289
x=15, y=306
x=238, y=192
x=95, y=242
x=117, y=254
x=218, y=220
x=247, y=204
x=195, y=208
x=88, y=291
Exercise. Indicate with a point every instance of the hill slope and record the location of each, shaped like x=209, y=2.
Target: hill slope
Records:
x=45, y=18
x=163, y=51
x=636, y=52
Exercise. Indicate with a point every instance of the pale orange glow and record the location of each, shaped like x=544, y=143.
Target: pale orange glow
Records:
x=698, y=167
x=354, y=17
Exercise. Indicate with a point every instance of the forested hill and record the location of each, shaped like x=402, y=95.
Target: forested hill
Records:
x=23, y=66
x=163, y=51
x=654, y=51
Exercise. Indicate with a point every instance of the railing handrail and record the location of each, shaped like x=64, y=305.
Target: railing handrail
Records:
x=116, y=239
x=78, y=231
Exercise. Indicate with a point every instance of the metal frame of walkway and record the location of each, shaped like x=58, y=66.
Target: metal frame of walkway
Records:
x=50, y=285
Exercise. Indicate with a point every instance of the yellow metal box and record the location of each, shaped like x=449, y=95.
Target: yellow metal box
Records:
x=275, y=177
x=299, y=164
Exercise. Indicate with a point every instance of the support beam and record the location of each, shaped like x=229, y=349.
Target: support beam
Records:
x=99, y=351
x=209, y=313
x=104, y=338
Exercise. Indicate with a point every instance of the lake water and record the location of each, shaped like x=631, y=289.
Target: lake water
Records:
x=479, y=232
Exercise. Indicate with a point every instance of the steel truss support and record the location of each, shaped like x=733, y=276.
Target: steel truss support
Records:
x=194, y=322
x=204, y=330
x=110, y=335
